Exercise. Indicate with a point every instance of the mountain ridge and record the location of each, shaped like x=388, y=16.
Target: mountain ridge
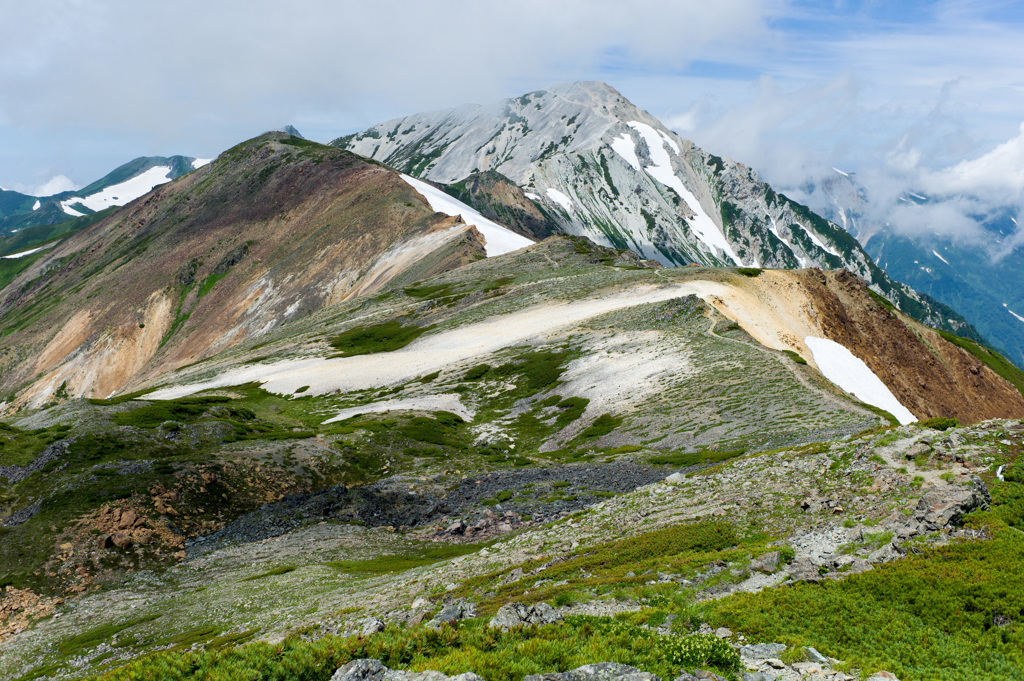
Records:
x=122, y=185
x=600, y=167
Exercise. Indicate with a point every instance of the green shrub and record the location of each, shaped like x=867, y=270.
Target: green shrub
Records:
x=795, y=357
x=572, y=408
x=477, y=372
x=540, y=369
x=939, y=423
x=749, y=271
x=696, y=458
x=283, y=570
x=470, y=646
x=604, y=424
x=932, y=615
x=386, y=337
x=185, y=409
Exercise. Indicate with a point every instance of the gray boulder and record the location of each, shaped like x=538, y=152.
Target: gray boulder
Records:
x=372, y=626
x=762, y=651
x=803, y=570
x=603, y=671
x=767, y=562
x=519, y=615
x=360, y=670
x=373, y=670
x=453, y=612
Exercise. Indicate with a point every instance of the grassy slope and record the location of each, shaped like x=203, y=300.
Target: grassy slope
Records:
x=255, y=420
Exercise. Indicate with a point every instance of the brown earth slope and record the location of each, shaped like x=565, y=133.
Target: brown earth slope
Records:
x=928, y=375
x=273, y=229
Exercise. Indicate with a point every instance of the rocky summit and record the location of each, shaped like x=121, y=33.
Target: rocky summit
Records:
x=538, y=391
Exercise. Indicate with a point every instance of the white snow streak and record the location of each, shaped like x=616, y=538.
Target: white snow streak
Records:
x=1015, y=314
x=70, y=211
x=818, y=242
x=497, y=239
x=532, y=196
x=561, y=199
x=670, y=141
x=624, y=147
x=840, y=172
x=850, y=373
x=120, y=194
x=35, y=206
x=34, y=250
x=661, y=170
x=936, y=254
x=200, y=162
x=445, y=402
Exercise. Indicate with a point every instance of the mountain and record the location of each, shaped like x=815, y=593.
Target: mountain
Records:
x=597, y=166
x=122, y=185
x=297, y=414
x=985, y=281
x=274, y=229
x=550, y=420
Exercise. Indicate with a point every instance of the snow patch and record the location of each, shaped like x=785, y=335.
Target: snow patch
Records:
x=850, y=373
x=497, y=239
x=561, y=199
x=36, y=250
x=819, y=243
x=936, y=254
x=670, y=141
x=200, y=162
x=122, y=193
x=840, y=172
x=624, y=147
x=1015, y=314
x=532, y=196
x=35, y=206
x=661, y=170
x=444, y=402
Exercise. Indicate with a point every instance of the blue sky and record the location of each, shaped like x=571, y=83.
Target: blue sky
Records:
x=898, y=91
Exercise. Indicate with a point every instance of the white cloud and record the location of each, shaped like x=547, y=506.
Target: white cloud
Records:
x=996, y=175
x=55, y=185
x=196, y=63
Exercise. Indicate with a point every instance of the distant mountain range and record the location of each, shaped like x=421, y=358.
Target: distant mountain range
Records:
x=982, y=281
x=122, y=185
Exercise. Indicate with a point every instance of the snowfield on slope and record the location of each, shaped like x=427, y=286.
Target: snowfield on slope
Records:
x=120, y=194
x=661, y=170
x=445, y=402
x=36, y=250
x=498, y=240
x=850, y=373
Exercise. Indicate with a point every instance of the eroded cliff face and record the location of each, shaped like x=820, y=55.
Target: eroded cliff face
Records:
x=928, y=375
x=272, y=230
